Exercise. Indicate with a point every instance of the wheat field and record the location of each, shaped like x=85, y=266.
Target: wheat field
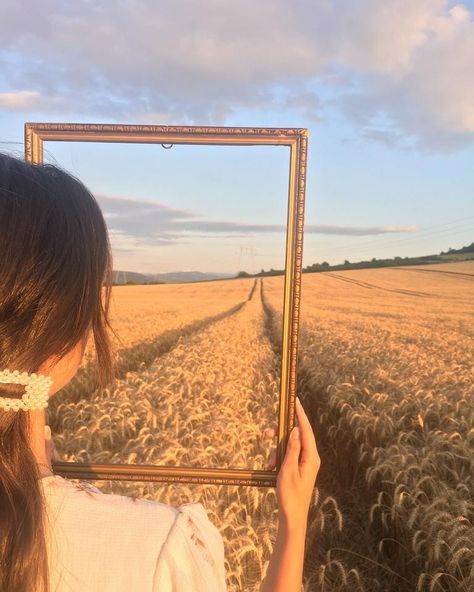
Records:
x=385, y=373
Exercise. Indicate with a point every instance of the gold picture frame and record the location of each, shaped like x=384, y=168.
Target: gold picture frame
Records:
x=297, y=139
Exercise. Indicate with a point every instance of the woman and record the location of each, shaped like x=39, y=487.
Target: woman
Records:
x=55, y=287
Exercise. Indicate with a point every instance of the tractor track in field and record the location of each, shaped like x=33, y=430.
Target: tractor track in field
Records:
x=370, y=286
x=348, y=497
x=138, y=356
x=458, y=274
x=272, y=332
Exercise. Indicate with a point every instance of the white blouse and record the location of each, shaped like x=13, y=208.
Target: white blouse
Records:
x=110, y=543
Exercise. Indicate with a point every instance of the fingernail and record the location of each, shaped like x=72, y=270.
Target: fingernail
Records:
x=47, y=431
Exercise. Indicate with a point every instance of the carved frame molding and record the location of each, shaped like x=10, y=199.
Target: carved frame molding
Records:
x=297, y=139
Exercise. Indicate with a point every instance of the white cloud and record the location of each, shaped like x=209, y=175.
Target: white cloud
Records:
x=153, y=223
x=200, y=62
x=433, y=101
x=17, y=101
x=447, y=66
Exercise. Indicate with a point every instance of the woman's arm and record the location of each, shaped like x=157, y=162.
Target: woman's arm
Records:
x=295, y=483
x=285, y=570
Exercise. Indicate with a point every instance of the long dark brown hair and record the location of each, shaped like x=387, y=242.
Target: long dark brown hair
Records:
x=55, y=287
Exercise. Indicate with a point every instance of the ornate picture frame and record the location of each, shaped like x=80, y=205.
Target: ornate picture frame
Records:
x=297, y=140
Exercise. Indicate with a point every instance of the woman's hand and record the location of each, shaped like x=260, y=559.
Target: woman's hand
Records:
x=295, y=483
x=298, y=472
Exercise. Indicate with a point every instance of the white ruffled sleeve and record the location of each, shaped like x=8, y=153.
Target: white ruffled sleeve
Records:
x=192, y=557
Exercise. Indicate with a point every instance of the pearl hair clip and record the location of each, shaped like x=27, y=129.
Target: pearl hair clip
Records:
x=36, y=391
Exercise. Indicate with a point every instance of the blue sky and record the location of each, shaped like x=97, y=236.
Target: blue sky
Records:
x=386, y=90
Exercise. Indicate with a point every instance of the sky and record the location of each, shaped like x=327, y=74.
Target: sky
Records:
x=385, y=89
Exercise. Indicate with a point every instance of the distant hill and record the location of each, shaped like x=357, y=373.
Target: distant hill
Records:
x=189, y=276
x=133, y=277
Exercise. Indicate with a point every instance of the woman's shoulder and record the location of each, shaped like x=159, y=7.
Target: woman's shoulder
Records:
x=189, y=546
x=83, y=502
x=64, y=492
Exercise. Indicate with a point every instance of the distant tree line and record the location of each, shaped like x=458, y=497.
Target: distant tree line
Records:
x=468, y=249
x=374, y=262
x=261, y=273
